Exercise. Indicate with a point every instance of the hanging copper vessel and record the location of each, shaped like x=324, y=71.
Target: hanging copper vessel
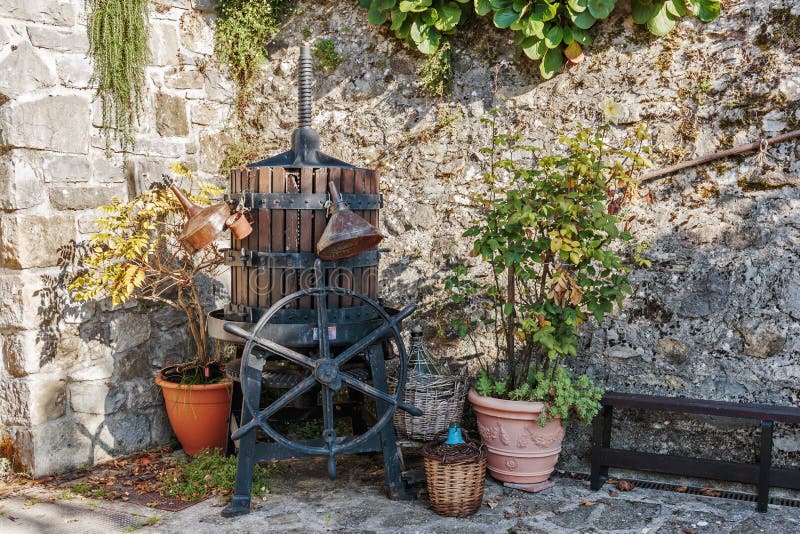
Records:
x=205, y=224
x=346, y=234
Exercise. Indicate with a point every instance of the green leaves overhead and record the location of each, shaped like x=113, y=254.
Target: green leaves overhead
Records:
x=543, y=28
x=421, y=23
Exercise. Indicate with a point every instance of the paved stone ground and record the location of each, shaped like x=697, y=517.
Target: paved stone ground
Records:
x=304, y=500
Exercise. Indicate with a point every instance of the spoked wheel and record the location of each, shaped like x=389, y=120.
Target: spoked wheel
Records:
x=325, y=370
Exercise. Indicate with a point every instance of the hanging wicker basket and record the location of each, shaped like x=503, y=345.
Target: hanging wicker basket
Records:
x=455, y=475
x=441, y=399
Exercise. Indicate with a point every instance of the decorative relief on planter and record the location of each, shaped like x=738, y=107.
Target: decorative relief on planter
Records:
x=488, y=433
x=511, y=464
x=531, y=436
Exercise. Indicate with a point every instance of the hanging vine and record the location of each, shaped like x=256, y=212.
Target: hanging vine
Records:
x=118, y=46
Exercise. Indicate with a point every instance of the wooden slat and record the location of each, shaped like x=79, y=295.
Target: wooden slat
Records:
x=262, y=227
x=238, y=275
x=292, y=239
x=360, y=284
x=251, y=243
x=306, y=230
x=347, y=275
x=278, y=234
x=335, y=176
x=765, y=412
x=373, y=187
x=697, y=467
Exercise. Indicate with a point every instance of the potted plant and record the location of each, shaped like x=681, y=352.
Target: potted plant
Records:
x=136, y=253
x=548, y=239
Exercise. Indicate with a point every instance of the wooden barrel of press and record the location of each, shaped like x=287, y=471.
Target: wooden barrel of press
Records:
x=297, y=230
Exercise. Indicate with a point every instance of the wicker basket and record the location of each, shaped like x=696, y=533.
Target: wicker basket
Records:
x=441, y=399
x=455, y=475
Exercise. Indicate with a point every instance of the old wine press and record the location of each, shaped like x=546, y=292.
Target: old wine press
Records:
x=304, y=305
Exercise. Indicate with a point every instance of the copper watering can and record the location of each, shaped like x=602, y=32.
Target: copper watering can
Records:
x=205, y=224
x=346, y=234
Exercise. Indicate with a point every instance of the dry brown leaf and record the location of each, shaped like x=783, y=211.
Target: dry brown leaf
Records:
x=624, y=485
x=710, y=492
x=492, y=503
x=681, y=489
x=588, y=503
x=613, y=493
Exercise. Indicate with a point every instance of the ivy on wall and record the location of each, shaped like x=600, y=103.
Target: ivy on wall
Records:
x=243, y=29
x=548, y=31
x=118, y=46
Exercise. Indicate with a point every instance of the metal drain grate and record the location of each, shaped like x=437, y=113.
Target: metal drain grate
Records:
x=692, y=490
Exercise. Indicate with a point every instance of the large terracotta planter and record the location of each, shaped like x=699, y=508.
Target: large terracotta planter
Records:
x=198, y=413
x=520, y=449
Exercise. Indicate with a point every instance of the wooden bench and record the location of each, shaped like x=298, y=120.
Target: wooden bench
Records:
x=762, y=474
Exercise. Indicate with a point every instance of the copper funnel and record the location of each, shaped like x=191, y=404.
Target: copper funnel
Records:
x=205, y=224
x=346, y=234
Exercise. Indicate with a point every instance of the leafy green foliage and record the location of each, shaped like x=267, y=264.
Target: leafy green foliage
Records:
x=136, y=253
x=327, y=56
x=209, y=474
x=543, y=29
x=548, y=235
x=421, y=23
x=437, y=72
x=243, y=29
x=118, y=46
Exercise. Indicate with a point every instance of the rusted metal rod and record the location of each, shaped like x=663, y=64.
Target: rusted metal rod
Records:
x=758, y=145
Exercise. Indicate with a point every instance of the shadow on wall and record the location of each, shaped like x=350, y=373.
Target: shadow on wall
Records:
x=715, y=317
x=105, y=360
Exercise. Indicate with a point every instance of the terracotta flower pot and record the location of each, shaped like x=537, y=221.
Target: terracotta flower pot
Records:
x=520, y=449
x=198, y=413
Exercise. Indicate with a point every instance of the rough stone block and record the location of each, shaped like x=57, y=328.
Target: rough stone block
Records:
x=27, y=402
x=22, y=353
x=171, y=119
x=101, y=369
x=763, y=337
x=212, y=150
x=74, y=70
x=208, y=113
x=47, y=400
x=59, y=123
x=51, y=167
x=60, y=446
x=19, y=301
x=34, y=240
x=19, y=186
x=185, y=79
x=173, y=347
x=58, y=12
x=132, y=364
x=143, y=393
x=163, y=43
x=160, y=427
x=196, y=33
x=96, y=396
x=24, y=70
x=105, y=169
x=84, y=196
x=131, y=431
x=672, y=350
x=128, y=330
x=60, y=39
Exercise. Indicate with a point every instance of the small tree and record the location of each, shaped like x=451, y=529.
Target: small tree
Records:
x=136, y=254
x=549, y=239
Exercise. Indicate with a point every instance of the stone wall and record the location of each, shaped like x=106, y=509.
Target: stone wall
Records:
x=716, y=316
x=76, y=382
